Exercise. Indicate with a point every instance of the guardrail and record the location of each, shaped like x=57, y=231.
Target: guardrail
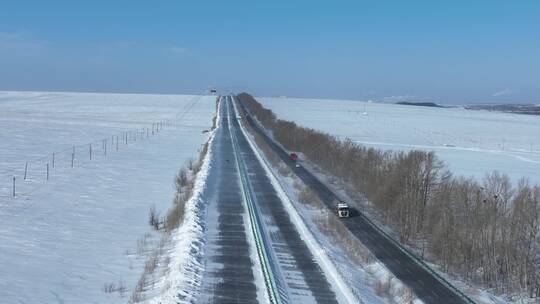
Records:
x=255, y=225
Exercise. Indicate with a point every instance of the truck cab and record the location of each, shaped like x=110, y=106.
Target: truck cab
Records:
x=343, y=210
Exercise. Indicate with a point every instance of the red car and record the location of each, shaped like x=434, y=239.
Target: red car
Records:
x=293, y=156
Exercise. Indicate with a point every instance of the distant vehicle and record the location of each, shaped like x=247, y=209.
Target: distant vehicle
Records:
x=293, y=156
x=213, y=91
x=343, y=210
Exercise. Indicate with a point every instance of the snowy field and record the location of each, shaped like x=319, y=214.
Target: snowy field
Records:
x=471, y=143
x=63, y=239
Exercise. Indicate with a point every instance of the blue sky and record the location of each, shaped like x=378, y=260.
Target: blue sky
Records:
x=451, y=52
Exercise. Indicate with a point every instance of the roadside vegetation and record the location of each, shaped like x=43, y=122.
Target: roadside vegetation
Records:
x=384, y=284
x=156, y=254
x=484, y=232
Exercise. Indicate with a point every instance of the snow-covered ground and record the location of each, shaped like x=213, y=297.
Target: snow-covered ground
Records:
x=471, y=143
x=63, y=239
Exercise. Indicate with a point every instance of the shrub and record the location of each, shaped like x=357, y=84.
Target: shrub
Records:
x=119, y=287
x=153, y=219
x=181, y=179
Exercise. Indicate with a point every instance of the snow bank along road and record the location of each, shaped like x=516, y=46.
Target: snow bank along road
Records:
x=244, y=214
x=425, y=284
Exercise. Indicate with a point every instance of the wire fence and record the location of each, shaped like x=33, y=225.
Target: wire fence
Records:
x=34, y=174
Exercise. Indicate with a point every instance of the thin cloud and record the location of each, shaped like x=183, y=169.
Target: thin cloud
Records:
x=505, y=92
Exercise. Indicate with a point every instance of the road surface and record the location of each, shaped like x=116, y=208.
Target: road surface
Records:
x=239, y=191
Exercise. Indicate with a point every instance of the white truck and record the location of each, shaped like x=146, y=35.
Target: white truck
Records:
x=343, y=209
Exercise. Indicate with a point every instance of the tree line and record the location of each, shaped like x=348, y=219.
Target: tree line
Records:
x=483, y=231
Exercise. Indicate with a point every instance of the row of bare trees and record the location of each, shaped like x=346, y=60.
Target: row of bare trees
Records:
x=485, y=232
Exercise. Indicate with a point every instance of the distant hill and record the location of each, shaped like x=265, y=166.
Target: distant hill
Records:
x=420, y=104
x=529, y=109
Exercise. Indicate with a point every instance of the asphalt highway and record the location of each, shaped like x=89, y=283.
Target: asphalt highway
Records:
x=229, y=274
